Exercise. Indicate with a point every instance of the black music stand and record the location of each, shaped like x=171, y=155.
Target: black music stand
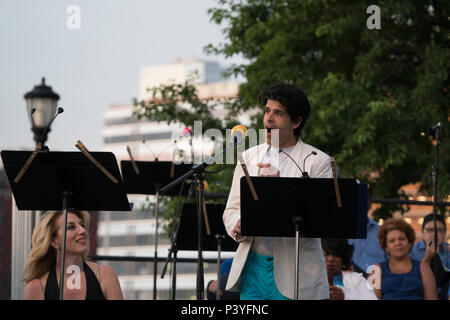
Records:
x=292, y=207
x=218, y=240
x=151, y=177
x=63, y=181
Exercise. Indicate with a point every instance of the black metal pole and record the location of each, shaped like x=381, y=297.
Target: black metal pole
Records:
x=155, y=262
x=435, y=192
x=219, y=239
x=199, y=178
x=66, y=195
x=297, y=222
x=174, y=273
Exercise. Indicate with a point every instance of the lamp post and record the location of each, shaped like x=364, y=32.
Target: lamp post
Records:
x=41, y=108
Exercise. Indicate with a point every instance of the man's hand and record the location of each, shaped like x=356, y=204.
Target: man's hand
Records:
x=267, y=170
x=236, y=232
x=429, y=251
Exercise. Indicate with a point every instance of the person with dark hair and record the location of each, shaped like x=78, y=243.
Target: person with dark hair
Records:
x=400, y=277
x=293, y=99
x=425, y=250
x=344, y=284
x=264, y=267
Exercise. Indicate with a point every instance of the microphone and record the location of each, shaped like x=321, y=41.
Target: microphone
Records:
x=238, y=134
x=304, y=173
x=432, y=131
x=186, y=132
x=60, y=110
x=33, y=110
x=143, y=142
x=157, y=155
x=312, y=153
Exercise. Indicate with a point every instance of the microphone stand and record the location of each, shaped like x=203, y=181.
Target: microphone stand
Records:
x=198, y=172
x=435, y=131
x=174, y=250
x=219, y=237
x=155, y=261
x=199, y=183
x=298, y=222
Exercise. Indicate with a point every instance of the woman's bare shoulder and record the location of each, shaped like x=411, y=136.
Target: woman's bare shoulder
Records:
x=35, y=289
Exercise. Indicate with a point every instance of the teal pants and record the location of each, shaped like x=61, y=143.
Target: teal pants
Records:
x=257, y=279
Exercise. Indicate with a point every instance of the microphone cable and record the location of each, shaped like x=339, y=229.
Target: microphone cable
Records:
x=304, y=173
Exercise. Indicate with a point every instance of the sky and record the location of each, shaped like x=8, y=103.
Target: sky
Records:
x=93, y=66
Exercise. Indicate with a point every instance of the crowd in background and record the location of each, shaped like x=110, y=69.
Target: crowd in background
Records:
x=387, y=265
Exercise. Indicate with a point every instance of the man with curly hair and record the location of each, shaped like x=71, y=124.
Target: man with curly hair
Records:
x=264, y=267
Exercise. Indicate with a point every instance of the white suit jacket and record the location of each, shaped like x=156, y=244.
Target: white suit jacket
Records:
x=313, y=283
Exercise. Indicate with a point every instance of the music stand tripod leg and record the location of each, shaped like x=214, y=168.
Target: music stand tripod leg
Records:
x=155, y=261
x=66, y=195
x=219, y=238
x=174, y=273
x=297, y=222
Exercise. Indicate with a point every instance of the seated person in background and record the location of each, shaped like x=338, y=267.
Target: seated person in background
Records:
x=425, y=250
x=367, y=251
x=344, y=285
x=86, y=281
x=211, y=289
x=402, y=278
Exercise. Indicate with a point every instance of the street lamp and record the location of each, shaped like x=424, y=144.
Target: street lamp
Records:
x=41, y=108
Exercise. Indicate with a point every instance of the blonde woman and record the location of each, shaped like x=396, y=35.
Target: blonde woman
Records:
x=83, y=280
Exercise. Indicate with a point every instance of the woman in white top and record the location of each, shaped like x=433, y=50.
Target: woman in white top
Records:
x=343, y=283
